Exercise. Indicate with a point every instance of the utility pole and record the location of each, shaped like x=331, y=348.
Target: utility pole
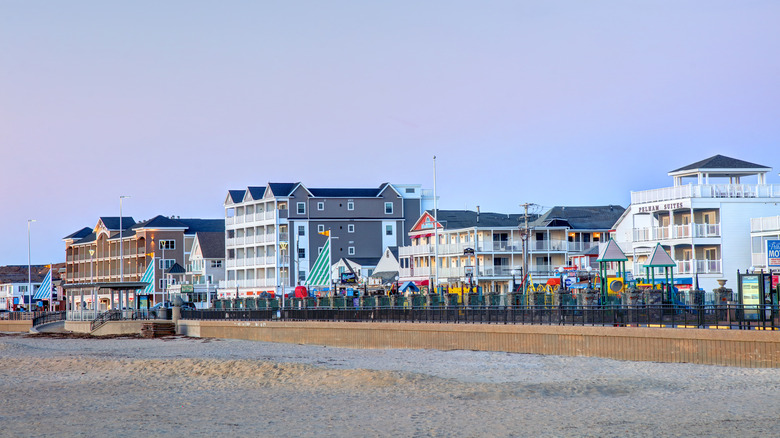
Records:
x=525, y=236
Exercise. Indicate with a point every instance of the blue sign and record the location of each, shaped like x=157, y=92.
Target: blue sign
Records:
x=773, y=253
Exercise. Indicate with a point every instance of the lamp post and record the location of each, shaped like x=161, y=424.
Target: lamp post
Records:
x=561, y=271
x=514, y=285
x=29, y=266
x=589, y=269
x=283, y=248
x=121, y=252
x=92, y=280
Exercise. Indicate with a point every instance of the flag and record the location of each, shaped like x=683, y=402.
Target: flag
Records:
x=148, y=277
x=324, y=233
x=44, y=291
x=320, y=272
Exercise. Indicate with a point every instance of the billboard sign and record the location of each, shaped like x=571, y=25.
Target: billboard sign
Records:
x=773, y=253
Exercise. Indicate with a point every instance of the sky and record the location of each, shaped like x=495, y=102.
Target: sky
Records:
x=552, y=102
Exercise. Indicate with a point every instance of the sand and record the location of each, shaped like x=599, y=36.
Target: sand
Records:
x=128, y=387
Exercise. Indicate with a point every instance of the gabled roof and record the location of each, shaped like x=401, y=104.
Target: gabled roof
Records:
x=112, y=222
x=212, y=244
x=721, y=162
x=234, y=196
x=256, y=192
x=176, y=269
x=659, y=258
x=600, y=217
x=80, y=234
x=282, y=189
x=612, y=253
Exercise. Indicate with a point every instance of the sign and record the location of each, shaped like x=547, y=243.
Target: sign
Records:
x=773, y=253
x=467, y=251
x=751, y=294
x=348, y=278
x=468, y=270
x=669, y=205
x=187, y=288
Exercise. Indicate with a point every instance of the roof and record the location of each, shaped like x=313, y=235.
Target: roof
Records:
x=18, y=273
x=80, y=234
x=612, y=253
x=721, y=162
x=176, y=269
x=455, y=219
x=600, y=217
x=203, y=225
x=345, y=193
x=256, y=192
x=112, y=222
x=190, y=226
x=659, y=258
x=236, y=195
x=362, y=261
x=212, y=244
x=282, y=189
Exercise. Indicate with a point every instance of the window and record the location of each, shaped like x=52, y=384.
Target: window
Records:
x=22, y=288
x=350, y=205
x=351, y=250
x=216, y=263
x=388, y=230
x=388, y=208
x=301, y=276
x=162, y=283
x=320, y=206
x=409, y=190
x=301, y=208
x=166, y=263
x=301, y=253
x=167, y=244
x=351, y=228
x=319, y=250
x=320, y=228
x=301, y=230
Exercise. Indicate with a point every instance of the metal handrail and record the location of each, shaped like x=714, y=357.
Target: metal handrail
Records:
x=49, y=317
x=109, y=315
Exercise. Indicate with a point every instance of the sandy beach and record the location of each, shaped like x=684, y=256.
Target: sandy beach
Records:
x=127, y=387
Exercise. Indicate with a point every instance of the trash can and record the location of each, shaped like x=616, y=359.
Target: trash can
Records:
x=383, y=300
x=494, y=299
x=418, y=300
x=452, y=300
x=368, y=301
x=338, y=302
x=435, y=300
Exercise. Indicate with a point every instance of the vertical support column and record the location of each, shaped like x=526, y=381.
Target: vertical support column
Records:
x=111, y=303
x=81, y=305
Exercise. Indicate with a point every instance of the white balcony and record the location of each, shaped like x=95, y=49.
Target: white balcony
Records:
x=758, y=260
x=230, y=220
x=424, y=272
x=706, y=191
x=761, y=224
x=415, y=250
x=676, y=232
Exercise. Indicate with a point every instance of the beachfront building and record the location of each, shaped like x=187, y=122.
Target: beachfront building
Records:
x=703, y=221
x=93, y=256
x=206, y=268
x=486, y=249
x=275, y=233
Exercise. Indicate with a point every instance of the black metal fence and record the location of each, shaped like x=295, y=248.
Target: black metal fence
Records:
x=48, y=317
x=703, y=316
x=20, y=316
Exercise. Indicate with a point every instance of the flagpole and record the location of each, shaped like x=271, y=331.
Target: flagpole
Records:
x=436, y=232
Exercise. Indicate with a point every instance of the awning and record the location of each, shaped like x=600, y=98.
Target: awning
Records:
x=553, y=282
x=421, y=283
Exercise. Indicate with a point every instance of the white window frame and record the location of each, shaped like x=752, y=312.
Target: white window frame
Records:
x=388, y=204
x=351, y=250
x=321, y=228
x=166, y=264
x=300, y=208
x=350, y=228
x=321, y=206
x=388, y=230
x=350, y=205
x=301, y=230
x=167, y=244
x=301, y=253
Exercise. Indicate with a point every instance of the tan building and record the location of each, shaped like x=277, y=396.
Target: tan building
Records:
x=93, y=254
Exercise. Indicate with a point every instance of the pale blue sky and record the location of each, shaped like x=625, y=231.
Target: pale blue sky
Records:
x=552, y=102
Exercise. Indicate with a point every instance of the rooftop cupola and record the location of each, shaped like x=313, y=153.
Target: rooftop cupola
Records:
x=720, y=166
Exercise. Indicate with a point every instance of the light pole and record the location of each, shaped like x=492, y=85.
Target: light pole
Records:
x=92, y=280
x=561, y=271
x=589, y=269
x=29, y=266
x=282, y=247
x=121, y=252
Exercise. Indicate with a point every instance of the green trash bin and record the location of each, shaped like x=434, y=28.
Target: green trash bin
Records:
x=494, y=299
x=384, y=301
x=418, y=300
x=338, y=302
x=398, y=301
x=434, y=300
x=261, y=303
x=452, y=300
x=323, y=301
x=476, y=300
x=311, y=302
x=273, y=304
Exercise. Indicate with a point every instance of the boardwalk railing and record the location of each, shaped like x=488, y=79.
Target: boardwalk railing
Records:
x=48, y=317
x=704, y=316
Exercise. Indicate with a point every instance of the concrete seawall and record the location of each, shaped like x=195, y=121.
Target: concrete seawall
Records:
x=743, y=348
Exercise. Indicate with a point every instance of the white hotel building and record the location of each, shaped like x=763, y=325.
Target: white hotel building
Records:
x=703, y=221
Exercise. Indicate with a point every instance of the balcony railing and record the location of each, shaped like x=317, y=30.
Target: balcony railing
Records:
x=765, y=224
x=758, y=260
x=676, y=232
x=686, y=267
x=706, y=191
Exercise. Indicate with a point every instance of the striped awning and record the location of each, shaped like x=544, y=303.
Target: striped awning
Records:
x=44, y=291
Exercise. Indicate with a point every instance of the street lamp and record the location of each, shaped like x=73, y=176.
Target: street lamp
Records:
x=561, y=271
x=29, y=268
x=121, y=252
x=589, y=269
x=283, y=248
x=92, y=280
